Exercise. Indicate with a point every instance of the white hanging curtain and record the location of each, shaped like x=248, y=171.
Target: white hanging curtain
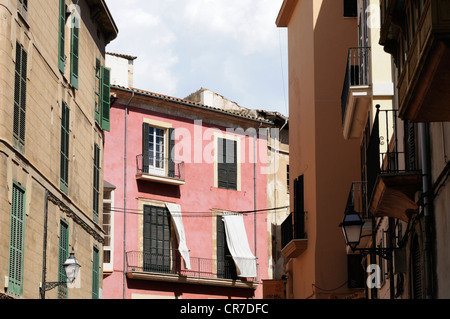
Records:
x=175, y=212
x=238, y=245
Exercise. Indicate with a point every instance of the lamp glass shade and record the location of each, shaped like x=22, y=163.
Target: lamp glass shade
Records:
x=352, y=228
x=72, y=267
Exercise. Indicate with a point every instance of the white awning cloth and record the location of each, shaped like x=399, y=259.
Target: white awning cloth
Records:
x=238, y=245
x=175, y=212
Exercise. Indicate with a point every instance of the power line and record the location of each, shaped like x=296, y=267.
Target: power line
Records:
x=133, y=211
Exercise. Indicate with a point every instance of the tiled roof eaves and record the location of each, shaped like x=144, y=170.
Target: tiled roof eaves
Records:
x=190, y=103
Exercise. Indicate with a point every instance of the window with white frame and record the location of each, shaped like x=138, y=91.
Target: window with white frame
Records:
x=108, y=227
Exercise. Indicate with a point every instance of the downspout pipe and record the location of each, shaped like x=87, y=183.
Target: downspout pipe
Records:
x=125, y=196
x=427, y=210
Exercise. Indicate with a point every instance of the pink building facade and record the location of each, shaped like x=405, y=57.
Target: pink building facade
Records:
x=185, y=200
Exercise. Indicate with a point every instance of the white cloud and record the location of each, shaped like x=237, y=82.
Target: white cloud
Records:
x=229, y=46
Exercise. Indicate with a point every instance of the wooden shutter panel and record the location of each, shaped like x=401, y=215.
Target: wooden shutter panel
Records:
x=20, y=95
x=96, y=183
x=95, y=273
x=65, y=134
x=17, y=237
x=227, y=164
x=222, y=173
x=171, y=155
x=157, y=238
x=299, y=208
x=416, y=260
x=98, y=89
x=62, y=36
x=106, y=99
x=232, y=164
x=74, y=54
x=220, y=247
x=63, y=255
x=145, y=143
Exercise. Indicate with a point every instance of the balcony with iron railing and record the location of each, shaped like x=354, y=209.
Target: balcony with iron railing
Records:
x=168, y=266
x=391, y=167
x=416, y=34
x=293, y=237
x=356, y=93
x=160, y=170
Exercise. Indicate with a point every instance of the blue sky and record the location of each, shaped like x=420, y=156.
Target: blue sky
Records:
x=232, y=47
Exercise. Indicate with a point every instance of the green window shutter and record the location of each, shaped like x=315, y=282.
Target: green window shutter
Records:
x=156, y=237
x=226, y=267
x=106, y=101
x=17, y=238
x=96, y=183
x=95, y=273
x=20, y=95
x=62, y=36
x=65, y=134
x=98, y=89
x=227, y=164
x=145, y=148
x=74, y=51
x=63, y=255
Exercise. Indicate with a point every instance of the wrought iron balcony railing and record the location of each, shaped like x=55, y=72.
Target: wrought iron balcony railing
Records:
x=293, y=228
x=160, y=167
x=171, y=263
x=357, y=74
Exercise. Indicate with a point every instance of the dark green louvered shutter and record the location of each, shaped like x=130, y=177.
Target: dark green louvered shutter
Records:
x=96, y=183
x=20, y=96
x=95, y=274
x=75, y=51
x=226, y=267
x=220, y=247
x=145, y=148
x=232, y=164
x=98, y=90
x=63, y=255
x=106, y=99
x=171, y=154
x=65, y=134
x=156, y=235
x=17, y=238
x=227, y=164
x=62, y=36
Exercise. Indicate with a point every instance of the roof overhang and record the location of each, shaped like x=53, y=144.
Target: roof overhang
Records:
x=285, y=14
x=155, y=99
x=101, y=14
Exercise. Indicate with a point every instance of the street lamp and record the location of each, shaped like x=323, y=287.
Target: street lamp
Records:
x=352, y=226
x=71, y=267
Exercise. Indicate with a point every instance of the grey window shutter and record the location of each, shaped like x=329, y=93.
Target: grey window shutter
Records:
x=145, y=143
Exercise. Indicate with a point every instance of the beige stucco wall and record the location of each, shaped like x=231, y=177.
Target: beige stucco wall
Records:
x=38, y=167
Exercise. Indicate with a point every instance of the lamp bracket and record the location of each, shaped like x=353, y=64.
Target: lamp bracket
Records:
x=385, y=253
x=51, y=285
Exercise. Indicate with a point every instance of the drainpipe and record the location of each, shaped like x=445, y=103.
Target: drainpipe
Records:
x=427, y=209
x=254, y=185
x=125, y=197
